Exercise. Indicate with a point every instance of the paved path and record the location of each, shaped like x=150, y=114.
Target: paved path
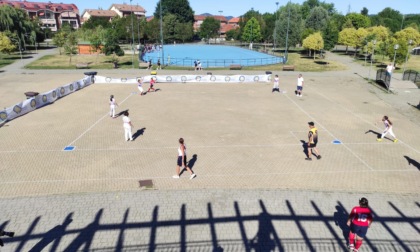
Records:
x=253, y=192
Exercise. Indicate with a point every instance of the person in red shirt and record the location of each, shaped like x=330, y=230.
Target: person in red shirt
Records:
x=152, y=83
x=359, y=221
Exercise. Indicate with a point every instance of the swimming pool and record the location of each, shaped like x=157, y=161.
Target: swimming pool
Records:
x=210, y=56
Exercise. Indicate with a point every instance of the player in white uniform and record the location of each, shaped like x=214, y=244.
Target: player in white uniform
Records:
x=112, y=105
x=388, y=129
x=182, y=160
x=140, y=85
x=276, y=84
x=127, y=127
x=299, y=87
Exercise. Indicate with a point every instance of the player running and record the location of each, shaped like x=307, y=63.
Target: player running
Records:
x=388, y=129
x=313, y=140
x=359, y=221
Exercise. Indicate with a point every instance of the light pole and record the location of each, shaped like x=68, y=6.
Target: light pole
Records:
x=161, y=32
x=287, y=33
x=132, y=35
x=220, y=28
x=275, y=26
x=408, y=51
x=396, y=46
x=371, y=58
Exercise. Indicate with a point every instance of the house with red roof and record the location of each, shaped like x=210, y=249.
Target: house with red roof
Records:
x=51, y=15
x=121, y=10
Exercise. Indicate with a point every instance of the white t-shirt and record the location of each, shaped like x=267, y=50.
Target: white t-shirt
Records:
x=300, y=81
x=112, y=102
x=276, y=82
x=389, y=68
x=126, y=121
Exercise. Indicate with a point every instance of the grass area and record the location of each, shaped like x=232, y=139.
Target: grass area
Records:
x=380, y=62
x=94, y=62
x=7, y=59
x=301, y=63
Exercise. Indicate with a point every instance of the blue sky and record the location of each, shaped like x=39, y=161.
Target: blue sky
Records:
x=239, y=7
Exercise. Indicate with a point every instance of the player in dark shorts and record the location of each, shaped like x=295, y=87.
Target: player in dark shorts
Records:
x=359, y=221
x=152, y=83
x=313, y=140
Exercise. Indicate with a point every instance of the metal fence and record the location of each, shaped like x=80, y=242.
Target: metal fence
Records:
x=208, y=63
x=411, y=75
x=384, y=77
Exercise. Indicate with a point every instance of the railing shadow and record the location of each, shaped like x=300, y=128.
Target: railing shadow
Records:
x=272, y=234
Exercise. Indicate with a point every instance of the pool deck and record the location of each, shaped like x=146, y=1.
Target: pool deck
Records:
x=253, y=190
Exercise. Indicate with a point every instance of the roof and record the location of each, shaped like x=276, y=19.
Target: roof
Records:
x=100, y=13
x=202, y=17
x=128, y=8
x=150, y=18
x=227, y=27
x=220, y=18
x=35, y=6
x=234, y=20
x=199, y=17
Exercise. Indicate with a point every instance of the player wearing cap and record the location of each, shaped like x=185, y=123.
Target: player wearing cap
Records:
x=359, y=221
x=313, y=140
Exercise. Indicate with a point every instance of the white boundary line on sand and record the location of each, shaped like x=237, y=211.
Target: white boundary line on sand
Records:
x=202, y=176
x=329, y=132
x=94, y=124
x=364, y=120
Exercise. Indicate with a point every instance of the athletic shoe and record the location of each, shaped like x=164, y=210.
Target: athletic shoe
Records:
x=309, y=159
x=351, y=248
x=192, y=176
x=300, y=95
x=10, y=234
x=1, y=243
x=379, y=139
x=395, y=140
x=175, y=176
x=318, y=157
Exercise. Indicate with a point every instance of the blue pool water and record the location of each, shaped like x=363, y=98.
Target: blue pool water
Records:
x=210, y=56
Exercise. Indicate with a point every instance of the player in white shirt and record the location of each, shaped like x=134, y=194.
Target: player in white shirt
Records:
x=140, y=85
x=112, y=105
x=388, y=129
x=276, y=84
x=127, y=127
x=299, y=87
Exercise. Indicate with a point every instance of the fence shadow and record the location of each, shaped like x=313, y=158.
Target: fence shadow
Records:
x=265, y=231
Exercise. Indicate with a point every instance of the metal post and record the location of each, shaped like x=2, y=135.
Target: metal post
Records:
x=287, y=33
x=406, y=57
x=132, y=34
x=220, y=28
x=161, y=32
x=396, y=46
x=275, y=26
x=373, y=55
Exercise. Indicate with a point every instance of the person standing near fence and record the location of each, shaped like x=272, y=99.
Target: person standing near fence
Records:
x=112, y=105
x=389, y=69
x=359, y=221
x=182, y=160
x=388, y=129
x=127, y=127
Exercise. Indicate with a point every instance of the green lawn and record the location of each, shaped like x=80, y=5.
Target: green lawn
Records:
x=7, y=59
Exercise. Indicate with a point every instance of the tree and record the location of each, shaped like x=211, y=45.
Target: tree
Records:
x=267, y=31
x=309, y=5
x=170, y=23
x=70, y=45
x=261, y=21
x=209, y=28
x=361, y=35
x=152, y=30
x=112, y=47
x=390, y=18
x=408, y=34
x=233, y=34
x=252, y=31
x=17, y=21
x=59, y=39
x=6, y=45
x=180, y=8
x=293, y=21
x=317, y=19
x=400, y=53
x=347, y=37
x=358, y=20
x=313, y=42
x=364, y=11
x=330, y=34
x=94, y=22
x=184, y=31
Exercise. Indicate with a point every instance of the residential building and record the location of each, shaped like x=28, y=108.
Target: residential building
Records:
x=120, y=10
x=51, y=15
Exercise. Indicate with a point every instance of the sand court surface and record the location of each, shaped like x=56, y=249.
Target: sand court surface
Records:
x=237, y=135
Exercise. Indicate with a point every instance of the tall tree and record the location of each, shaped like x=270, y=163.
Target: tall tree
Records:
x=347, y=37
x=289, y=25
x=252, y=31
x=209, y=28
x=180, y=8
x=6, y=45
x=93, y=22
x=358, y=20
x=313, y=42
x=390, y=18
x=364, y=11
x=317, y=19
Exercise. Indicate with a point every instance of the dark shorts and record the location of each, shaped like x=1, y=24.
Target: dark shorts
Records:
x=299, y=88
x=360, y=231
x=179, y=161
x=312, y=145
